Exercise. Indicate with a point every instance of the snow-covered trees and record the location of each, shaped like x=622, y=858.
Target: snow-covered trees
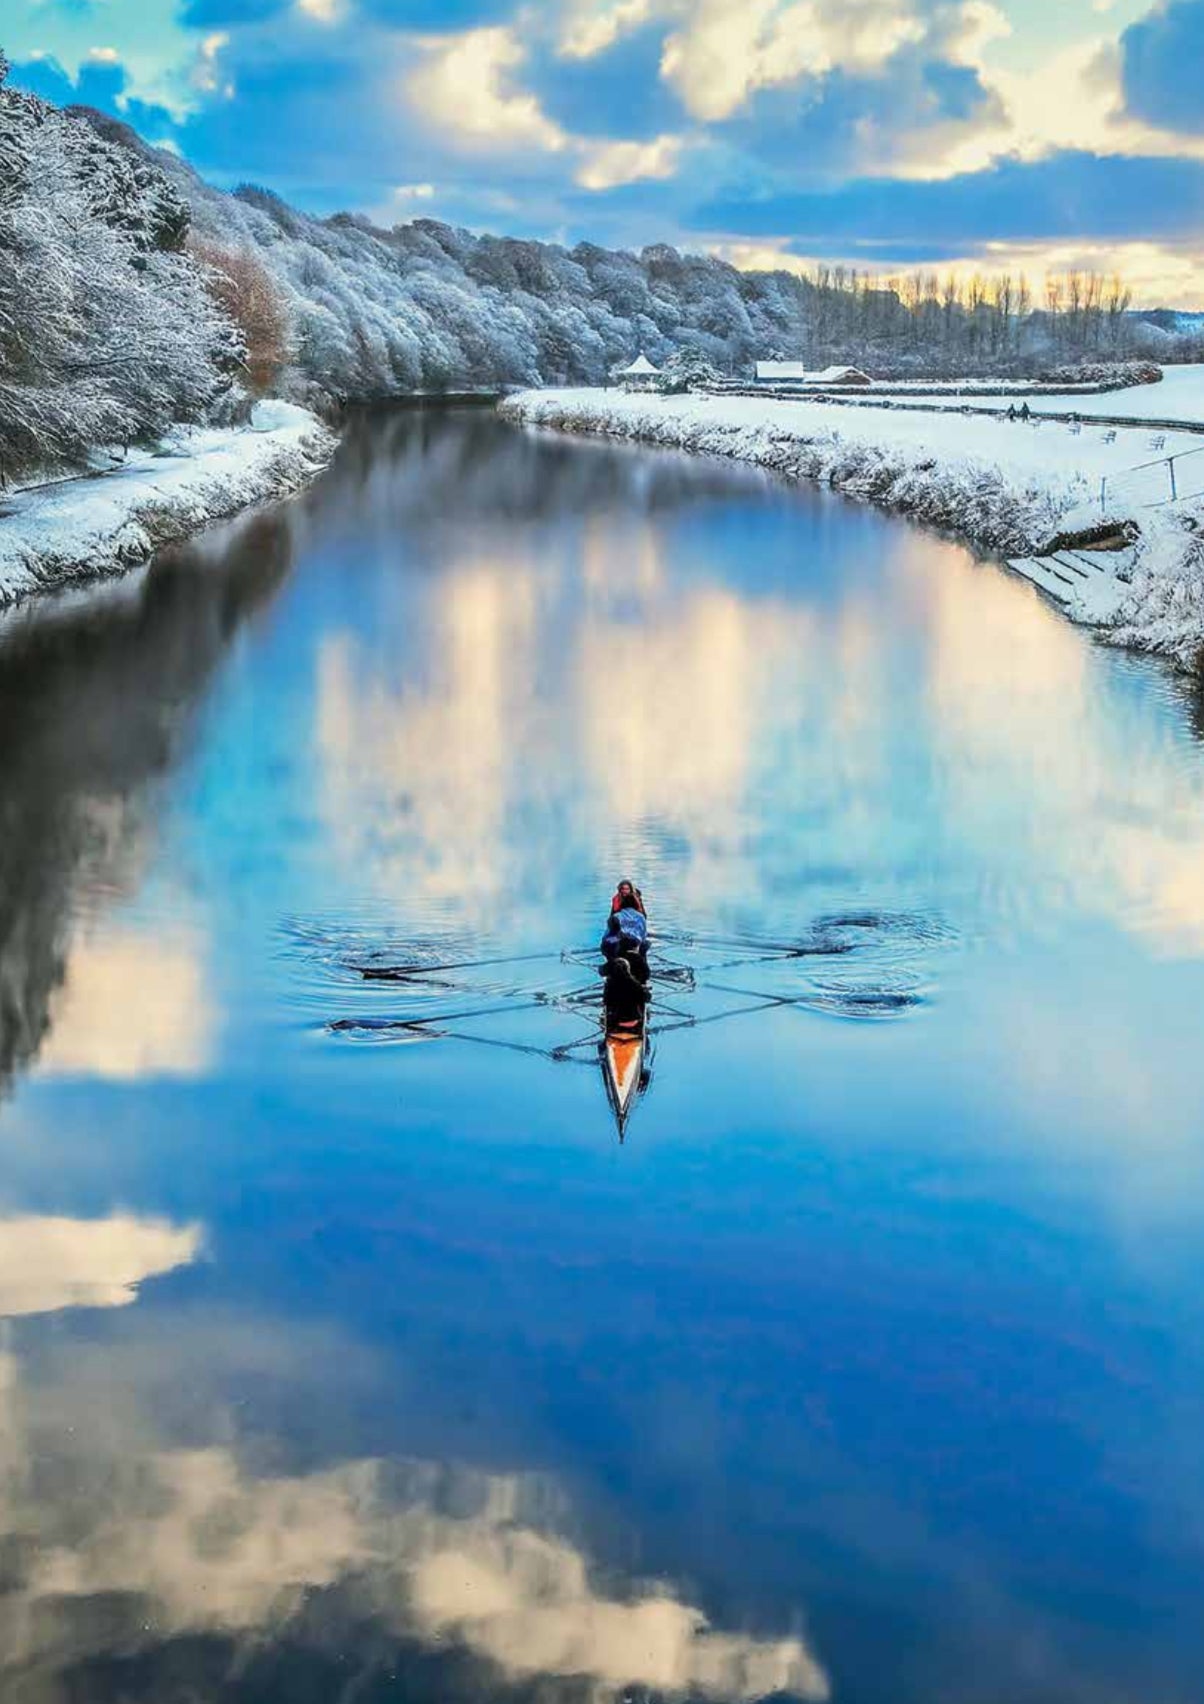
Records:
x=112, y=324
x=107, y=333
x=427, y=306
x=684, y=370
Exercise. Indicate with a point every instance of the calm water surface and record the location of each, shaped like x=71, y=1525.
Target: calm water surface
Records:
x=364, y=1362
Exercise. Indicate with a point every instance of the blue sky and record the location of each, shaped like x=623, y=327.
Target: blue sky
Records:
x=881, y=133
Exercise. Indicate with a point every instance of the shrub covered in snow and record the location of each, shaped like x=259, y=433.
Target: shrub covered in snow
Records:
x=1164, y=610
x=1118, y=375
x=686, y=369
x=107, y=332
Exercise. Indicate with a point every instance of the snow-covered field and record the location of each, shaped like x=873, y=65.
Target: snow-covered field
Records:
x=1180, y=397
x=1006, y=487
x=80, y=528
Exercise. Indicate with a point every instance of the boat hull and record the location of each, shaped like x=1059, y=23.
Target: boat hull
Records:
x=623, y=1067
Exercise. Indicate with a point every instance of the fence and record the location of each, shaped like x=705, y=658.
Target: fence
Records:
x=1151, y=484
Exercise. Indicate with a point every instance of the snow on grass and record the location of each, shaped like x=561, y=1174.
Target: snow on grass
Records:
x=81, y=528
x=1178, y=397
x=1007, y=487
x=1163, y=611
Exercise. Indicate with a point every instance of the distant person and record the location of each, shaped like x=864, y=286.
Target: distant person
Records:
x=627, y=894
x=1025, y=411
x=1011, y=410
x=625, y=992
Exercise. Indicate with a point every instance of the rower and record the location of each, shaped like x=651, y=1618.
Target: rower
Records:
x=627, y=923
x=626, y=993
x=628, y=895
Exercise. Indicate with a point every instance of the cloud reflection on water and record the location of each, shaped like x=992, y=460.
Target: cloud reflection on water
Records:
x=125, y=1550
x=97, y=698
x=1072, y=789
x=572, y=704
x=133, y=1004
x=49, y=1262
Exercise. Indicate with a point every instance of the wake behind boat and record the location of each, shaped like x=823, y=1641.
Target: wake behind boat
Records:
x=851, y=965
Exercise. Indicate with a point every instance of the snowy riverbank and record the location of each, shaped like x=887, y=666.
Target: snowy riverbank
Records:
x=1007, y=488
x=79, y=529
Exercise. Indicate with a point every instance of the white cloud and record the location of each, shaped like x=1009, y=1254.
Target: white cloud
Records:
x=591, y=26
x=605, y=165
x=464, y=87
x=727, y=49
x=207, y=77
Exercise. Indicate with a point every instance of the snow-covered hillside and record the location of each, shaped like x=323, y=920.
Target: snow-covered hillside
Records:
x=108, y=333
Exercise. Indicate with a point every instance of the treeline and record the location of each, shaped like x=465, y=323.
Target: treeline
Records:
x=956, y=325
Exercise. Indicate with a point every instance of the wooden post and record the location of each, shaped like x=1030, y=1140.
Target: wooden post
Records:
x=1170, y=462
x=1103, y=495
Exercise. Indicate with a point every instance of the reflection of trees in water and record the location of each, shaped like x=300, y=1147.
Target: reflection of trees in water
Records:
x=96, y=699
x=466, y=465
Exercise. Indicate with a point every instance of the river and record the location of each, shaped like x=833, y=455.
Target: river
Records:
x=347, y=1352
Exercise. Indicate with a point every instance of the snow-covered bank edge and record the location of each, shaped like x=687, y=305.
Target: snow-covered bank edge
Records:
x=87, y=528
x=949, y=478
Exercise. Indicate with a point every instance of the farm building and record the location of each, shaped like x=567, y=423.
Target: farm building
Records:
x=797, y=373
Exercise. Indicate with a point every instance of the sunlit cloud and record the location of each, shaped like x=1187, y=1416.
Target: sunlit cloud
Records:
x=727, y=49
x=465, y=88
x=1069, y=100
x=605, y=165
x=1154, y=272
x=468, y=87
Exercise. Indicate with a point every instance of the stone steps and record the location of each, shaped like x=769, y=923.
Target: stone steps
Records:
x=1089, y=584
